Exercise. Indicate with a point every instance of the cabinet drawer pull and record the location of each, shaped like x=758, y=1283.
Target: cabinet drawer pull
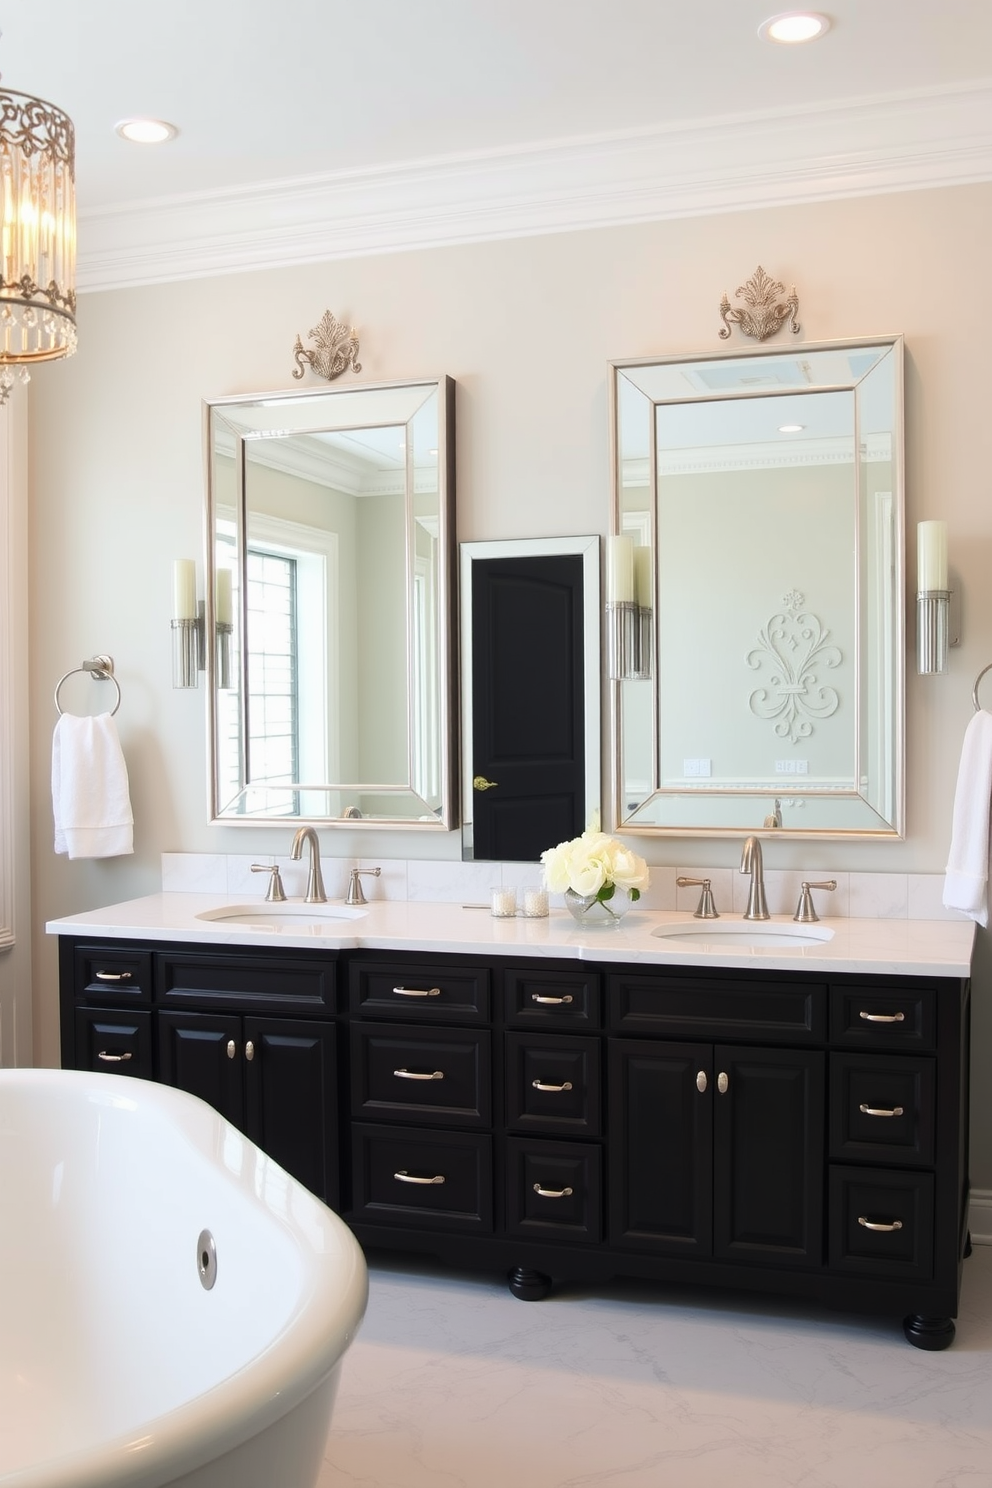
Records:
x=883, y=1017
x=552, y=1193
x=249, y=1050
x=112, y=976
x=404, y=1177
x=880, y=1110
x=870, y=1224
x=109, y=1058
x=232, y=1048
x=540, y=1085
x=723, y=1082
x=701, y=1081
x=417, y=991
x=553, y=1001
x=404, y=1074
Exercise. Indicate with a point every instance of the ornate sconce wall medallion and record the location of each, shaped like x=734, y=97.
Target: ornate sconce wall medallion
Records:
x=336, y=348
x=760, y=316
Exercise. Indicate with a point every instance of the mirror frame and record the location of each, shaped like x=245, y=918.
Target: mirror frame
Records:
x=892, y=830
x=325, y=399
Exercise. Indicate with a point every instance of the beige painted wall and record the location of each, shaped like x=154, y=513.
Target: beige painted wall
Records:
x=526, y=328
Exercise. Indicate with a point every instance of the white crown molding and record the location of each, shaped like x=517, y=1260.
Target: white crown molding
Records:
x=777, y=157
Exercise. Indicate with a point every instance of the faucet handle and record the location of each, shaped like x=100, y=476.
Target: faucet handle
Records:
x=705, y=909
x=805, y=910
x=356, y=894
x=275, y=893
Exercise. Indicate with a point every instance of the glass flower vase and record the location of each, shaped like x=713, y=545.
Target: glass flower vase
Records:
x=588, y=910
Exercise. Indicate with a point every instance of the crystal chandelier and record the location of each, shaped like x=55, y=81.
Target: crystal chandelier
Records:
x=37, y=236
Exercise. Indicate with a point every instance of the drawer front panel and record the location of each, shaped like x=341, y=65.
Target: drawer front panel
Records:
x=554, y=1190
x=255, y=983
x=881, y=1222
x=882, y=1109
x=680, y=1007
x=892, y=1018
x=112, y=976
x=553, y=1085
x=419, y=990
x=118, y=1043
x=561, y=999
x=434, y=1076
x=406, y=1177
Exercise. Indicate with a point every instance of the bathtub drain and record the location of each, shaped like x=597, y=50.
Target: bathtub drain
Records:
x=206, y=1259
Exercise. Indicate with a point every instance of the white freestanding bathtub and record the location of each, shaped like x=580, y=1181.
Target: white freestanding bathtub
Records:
x=121, y=1366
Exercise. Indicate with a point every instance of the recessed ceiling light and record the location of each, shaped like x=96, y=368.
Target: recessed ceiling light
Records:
x=791, y=428
x=794, y=26
x=146, y=131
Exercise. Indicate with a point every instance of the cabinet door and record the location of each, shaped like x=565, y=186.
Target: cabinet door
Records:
x=768, y=1155
x=661, y=1116
x=203, y=1053
x=291, y=1093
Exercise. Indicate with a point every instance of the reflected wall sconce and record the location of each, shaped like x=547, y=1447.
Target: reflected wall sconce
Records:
x=933, y=599
x=629, y=593
x=189, y=626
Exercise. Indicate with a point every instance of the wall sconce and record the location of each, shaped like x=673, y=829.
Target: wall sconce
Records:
x=188, y=625
x=629, y=593
x=933, y=598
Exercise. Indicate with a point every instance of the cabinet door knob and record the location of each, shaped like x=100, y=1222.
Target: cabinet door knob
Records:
x=540, y=1085
x=869, y=1224
x=404, y=1177
x=723, y=1082
x=701, y=1081
x=109, y=1058
x=880, y=1110
x=552, y=1193
x=554, y=1001
x=232, y=1048
x=883, y=1017
x=405, y=1074
x=417, y=991
x=249, y=1050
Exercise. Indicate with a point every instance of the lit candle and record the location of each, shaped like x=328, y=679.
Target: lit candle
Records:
x=184, y=589
x=619, y=570
x=642, y=578
x=931, y=551
x=224, y=605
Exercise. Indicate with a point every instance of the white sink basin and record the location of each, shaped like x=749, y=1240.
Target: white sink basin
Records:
x=718, y=935
x=296, y=916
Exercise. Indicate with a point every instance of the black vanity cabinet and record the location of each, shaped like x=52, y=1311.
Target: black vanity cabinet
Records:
x=797, y=1133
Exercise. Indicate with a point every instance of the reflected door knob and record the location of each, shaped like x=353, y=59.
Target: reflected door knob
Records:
x=480, y=783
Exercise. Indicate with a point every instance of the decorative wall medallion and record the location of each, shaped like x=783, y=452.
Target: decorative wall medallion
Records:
x=760, y=316
x=793, y=647
x=336, y=349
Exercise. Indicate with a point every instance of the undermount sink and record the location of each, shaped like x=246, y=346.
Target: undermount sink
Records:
x=717, y=934
x=286, y=916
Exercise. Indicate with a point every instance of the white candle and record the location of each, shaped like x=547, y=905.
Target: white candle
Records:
x=931, y=554
x=535, y=903
x=642, y=578
x=224, y=605
x=184, y=589
x=504, y=903
x=619, y=570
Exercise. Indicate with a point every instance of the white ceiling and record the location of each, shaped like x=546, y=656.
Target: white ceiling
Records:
x=313, y=129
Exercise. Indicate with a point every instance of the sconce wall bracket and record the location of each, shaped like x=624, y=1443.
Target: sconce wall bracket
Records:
x=760, y=316
x=336, y=348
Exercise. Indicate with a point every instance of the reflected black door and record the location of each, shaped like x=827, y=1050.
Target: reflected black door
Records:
x=527, y=705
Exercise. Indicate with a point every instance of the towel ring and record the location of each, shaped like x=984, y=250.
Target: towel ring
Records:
x=974, y=690
x=101, y=667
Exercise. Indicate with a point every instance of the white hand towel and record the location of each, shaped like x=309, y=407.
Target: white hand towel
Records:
x=967, y=879
x=90, y=789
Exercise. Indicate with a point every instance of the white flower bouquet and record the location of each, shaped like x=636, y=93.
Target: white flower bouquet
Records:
x=597, y=868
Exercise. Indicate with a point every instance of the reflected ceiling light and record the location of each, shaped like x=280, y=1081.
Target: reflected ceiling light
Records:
x=791, y=428
x=146, y=131
x=37, y=236
x=793, y=26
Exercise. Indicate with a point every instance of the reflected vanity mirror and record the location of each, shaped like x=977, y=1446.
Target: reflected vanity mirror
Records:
x=330, y=520
x=760, y=496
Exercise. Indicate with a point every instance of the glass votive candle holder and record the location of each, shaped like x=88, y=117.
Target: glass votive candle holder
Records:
x=504, y=903
x=535, y=904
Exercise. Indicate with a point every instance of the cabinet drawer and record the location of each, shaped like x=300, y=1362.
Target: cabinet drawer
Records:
x=436, y=1076
x=112, y=976
x=705, y=1007
x=554, y=1190
x=881, y=1223
x=553, y=1084
x=882, y=1109
x=406, y=1177
x=561, y=999
x=889, y=1018
x=257, y=983
x=419, y=990
x=118, y=1043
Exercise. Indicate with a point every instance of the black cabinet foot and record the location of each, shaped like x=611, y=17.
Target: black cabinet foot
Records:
x=928, y=1332
x=529, y=1286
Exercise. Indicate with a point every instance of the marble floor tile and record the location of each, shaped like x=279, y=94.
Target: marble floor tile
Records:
x=453, y=1383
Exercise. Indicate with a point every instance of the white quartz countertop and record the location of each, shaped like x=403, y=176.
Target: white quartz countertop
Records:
x=905, y=947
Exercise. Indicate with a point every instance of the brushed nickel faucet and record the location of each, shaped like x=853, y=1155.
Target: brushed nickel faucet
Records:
x=315, y=879
x=752, y=862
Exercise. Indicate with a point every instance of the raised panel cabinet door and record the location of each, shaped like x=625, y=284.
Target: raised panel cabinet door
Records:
x=661, y=1131
x=768, y=1155
x=203, y=1053
x=291, y=1095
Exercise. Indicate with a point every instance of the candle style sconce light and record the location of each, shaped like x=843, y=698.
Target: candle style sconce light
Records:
x=629, y=609
x=936, y=627
x=189, y=626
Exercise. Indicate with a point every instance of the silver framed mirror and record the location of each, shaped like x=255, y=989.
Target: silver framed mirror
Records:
x=757, y=560
x=330, y=522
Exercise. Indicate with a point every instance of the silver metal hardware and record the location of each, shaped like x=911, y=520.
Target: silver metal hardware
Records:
x=275, y=893
x=933, y=616
x=249, y=1051
x=404, y=1177
x=974, y=690
x=100, y=667
x=883, y=1017
x=206, y=1259
x=334, y=349
x=763, y=313
x=540, y=1085
x=112, y=976
x=806, y=910
x=553, y=1001
x=315, y=882
x=109, y=1058
x=701, y=1081
x=705, y=909
x=880, y=1110
x=480, y=783
x=417, y=992
x=722, y=1082
x=232, y=1048
x=752, y=862
x=774, y=817
x=871, y=1225
x=356, y=894
x=552, y=1193
x=405, y=1074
